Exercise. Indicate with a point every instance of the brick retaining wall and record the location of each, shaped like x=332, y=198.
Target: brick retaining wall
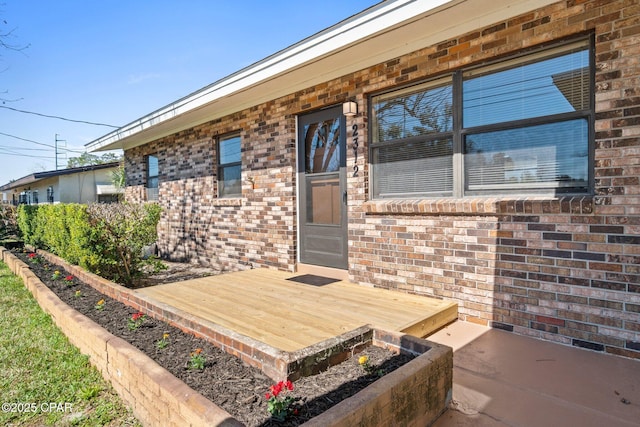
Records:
x=156, y=397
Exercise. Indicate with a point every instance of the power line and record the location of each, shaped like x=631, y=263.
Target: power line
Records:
x=11, y=147
x=58, y=117
x=40, y=143
x=5, y=153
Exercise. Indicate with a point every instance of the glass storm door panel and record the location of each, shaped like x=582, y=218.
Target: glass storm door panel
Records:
x=322, y=181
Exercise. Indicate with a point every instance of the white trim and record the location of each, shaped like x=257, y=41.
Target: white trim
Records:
x=296, y=167
x=108, y=189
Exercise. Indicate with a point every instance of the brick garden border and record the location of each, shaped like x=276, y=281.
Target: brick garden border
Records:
x=415, y=394
x=156, y=397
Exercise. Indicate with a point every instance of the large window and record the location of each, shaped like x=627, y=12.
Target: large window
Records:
x=523, y=125
x=153, y=174
x=229, y=167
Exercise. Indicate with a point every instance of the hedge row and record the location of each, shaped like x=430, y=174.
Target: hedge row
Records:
x=107, y=239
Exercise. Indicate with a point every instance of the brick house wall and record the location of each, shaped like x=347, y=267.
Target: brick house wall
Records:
x=563, y=269
x=229, y=233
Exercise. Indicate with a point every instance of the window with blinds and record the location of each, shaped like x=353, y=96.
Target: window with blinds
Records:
x=229, y=166
x=153, y=178
x=523, y=125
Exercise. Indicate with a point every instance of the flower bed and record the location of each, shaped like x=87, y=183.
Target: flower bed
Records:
x=192, y=360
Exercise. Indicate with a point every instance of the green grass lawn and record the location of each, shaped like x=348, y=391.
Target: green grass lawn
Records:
x=44, y=380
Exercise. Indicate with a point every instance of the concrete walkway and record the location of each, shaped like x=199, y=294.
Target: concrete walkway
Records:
x=503, y=379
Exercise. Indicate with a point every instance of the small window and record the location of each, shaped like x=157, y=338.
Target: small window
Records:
x=153, y=173
x=229, y=167
x=520, y=125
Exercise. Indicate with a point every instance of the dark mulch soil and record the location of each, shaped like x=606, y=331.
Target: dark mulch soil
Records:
x=225, y=380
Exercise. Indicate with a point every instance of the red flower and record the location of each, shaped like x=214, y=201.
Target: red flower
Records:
x=68, y=278
x=280, y=387
x=137, y=316
x=276, y=389
x=32, y=255
x=267, y=396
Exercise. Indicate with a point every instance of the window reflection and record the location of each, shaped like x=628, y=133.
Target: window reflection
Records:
x=229, y=166
x=322, y=146
x=532, y=156
x=522, y=125
x=553, y=86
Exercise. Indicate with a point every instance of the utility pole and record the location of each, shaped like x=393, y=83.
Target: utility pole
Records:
x=56, y=148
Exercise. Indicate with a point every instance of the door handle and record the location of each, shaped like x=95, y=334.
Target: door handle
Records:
x=344, y=197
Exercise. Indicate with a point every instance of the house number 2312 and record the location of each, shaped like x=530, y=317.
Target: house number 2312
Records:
x=354, y=142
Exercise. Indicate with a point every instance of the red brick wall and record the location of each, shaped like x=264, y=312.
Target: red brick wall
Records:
x=231, y=233
x=561, y=269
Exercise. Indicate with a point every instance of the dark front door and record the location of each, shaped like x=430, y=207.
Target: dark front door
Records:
x=322, y=182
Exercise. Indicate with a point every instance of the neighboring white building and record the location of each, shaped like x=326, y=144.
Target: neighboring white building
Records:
x=85, y=184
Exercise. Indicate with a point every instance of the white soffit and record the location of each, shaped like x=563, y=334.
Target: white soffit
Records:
x=378, y=34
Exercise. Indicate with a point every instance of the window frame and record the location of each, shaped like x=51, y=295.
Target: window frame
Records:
x=456, y=79
x=151, y=194
x=50, y=194
x=220, y=167
x=431, y=84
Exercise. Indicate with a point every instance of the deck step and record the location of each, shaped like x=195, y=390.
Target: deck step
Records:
x=264, y=305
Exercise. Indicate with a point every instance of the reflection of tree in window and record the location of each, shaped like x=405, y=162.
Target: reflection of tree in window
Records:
x=524, y=125
x=413, y=128
x=422, y=113
x=322, y=146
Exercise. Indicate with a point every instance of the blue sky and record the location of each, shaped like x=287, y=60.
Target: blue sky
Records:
x=114, y=61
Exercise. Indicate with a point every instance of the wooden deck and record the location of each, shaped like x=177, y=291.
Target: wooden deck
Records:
x=264, y=305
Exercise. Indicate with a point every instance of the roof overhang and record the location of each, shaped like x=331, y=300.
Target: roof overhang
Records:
x=39, y=176
x=385, y=31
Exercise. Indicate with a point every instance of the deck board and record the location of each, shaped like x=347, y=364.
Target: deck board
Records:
x=263, y=305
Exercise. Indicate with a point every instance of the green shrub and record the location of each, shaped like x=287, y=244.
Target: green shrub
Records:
x=62, y=229
x=26, y=223
x=120, y=231
x=107, y=239
x=51, y=229
x=76, y=224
